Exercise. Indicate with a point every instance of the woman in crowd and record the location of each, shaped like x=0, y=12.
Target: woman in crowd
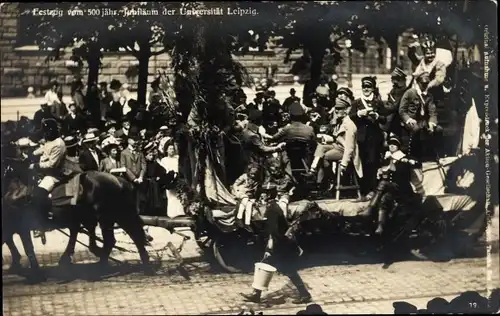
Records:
x=171, y=163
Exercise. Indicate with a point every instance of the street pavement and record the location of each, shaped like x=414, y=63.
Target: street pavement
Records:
x=339, y=279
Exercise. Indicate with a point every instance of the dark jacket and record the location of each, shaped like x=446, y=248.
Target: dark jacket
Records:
x=59, y=110
x=135, y=163
x=115, y=111
x=71, y=125
x=392, y=109
x=399, y=175
x=288, y=101
x=87, y=161
x=295, y=131
x=255, y=151
x=411, y=105
x=367, y=126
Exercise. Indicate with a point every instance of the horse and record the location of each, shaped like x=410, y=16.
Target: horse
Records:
x=101, y=198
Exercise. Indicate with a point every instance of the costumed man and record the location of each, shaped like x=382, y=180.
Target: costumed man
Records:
x=53, y=154
x=255, y=154
x=281, y=251
x=428, y=63
x=368, y=113
x=394, y=185
x=341, y=146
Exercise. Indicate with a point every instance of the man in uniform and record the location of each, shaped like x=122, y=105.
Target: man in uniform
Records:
x=368, y=113
x=398, y=79
x=417, y=112
x=341, y=146
x=53, y=154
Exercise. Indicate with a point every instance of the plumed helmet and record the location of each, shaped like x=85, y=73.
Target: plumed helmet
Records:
x=428, y=46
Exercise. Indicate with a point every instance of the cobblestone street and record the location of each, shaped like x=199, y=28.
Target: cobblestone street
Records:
x=344, y=287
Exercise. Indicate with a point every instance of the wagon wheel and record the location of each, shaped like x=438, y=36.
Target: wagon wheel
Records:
x=228, y=252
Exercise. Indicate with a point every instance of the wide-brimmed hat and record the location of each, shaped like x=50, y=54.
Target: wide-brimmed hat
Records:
x=110, y=145
x=90, y=137
x=92, y=130
x=115, y=84
x=70, y=141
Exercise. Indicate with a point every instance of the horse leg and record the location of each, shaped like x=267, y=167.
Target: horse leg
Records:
x=16, y=256
x=109, y=241
x=66, y=257
x=132, y=225
x=36, y=273
x=93, y=248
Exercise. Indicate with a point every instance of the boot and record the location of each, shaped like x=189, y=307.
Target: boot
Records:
x=372, y=207
x=254, y=297
x=43, y=204
x=303, y=299
x=381, y=221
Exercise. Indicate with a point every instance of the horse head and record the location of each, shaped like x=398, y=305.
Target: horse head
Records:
x=17, y=180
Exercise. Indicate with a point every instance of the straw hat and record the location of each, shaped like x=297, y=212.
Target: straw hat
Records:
x=70, y=141
x=90, y=137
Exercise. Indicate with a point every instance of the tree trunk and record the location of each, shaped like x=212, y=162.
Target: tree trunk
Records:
x=317, y=56
x=93, y=62
x=142, y=83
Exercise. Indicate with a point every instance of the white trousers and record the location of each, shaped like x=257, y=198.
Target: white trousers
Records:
x=48, y=183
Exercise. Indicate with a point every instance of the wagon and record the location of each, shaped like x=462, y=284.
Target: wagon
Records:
x=453, y=204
